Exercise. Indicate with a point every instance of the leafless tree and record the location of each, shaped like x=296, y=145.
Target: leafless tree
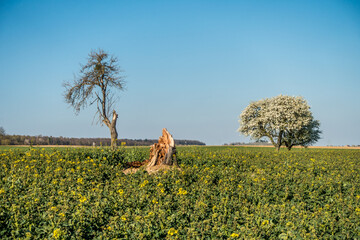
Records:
x=96, y=83
x=2, y=131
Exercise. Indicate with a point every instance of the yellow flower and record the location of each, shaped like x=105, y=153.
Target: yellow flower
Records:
x=265, y=222
x=2, y=191
x=80, y=180
x=144, y=183
x=234, y=235
x=83, y=199
x=154, y=201
x=172, y=231
x=120, y=191
x=123, y=218
x=182, y=192
x=53, y=209
x=57, y=233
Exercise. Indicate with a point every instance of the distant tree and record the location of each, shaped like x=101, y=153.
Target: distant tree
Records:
x=2, y=131
x=95, y=84
x=285, y=120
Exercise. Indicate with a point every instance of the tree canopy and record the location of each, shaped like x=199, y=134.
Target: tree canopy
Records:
x=284, y=120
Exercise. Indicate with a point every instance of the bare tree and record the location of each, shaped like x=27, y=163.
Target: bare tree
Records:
x=96, y=84
x=2, y=131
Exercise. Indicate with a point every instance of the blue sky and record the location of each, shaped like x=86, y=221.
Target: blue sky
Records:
x=201, y=62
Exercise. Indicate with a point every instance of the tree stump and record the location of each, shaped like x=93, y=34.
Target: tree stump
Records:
x=163, y=152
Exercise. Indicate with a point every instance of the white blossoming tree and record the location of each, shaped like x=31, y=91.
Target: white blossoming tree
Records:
x=285, y=120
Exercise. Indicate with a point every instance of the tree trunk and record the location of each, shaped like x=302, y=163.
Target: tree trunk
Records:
x=112, y=127
x=163, y=152
x=114, y=136
x=270, y=137
x=288, y=145
x=279, y=140
x=113, y=132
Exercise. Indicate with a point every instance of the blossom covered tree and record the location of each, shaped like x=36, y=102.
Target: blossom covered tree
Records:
x=96, y=84
x=285, y=120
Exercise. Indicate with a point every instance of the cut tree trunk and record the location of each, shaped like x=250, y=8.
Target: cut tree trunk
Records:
x=163, y=152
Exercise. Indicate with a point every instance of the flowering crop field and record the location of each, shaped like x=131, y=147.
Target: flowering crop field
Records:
x=219, y=193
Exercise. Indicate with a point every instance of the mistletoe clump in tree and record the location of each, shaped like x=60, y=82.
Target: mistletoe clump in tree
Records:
x=96, y=84
x=285, y=120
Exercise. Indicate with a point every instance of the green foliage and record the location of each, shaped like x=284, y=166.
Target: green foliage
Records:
x=220, y=193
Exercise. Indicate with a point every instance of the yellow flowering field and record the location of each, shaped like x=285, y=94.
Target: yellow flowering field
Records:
x=219, y=193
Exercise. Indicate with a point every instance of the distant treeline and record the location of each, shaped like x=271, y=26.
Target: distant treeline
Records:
x=44, y=140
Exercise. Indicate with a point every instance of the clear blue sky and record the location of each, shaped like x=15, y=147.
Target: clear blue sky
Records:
x=201, y=62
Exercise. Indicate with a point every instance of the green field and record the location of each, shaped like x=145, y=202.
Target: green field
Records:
x=219, y=193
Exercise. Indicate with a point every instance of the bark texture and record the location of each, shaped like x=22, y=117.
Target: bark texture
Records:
x=161, y=153
x=112, y=127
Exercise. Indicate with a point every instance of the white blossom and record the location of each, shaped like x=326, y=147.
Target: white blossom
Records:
x=285, y=120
